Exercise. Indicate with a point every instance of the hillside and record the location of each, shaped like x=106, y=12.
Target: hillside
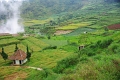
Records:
x=67, y=39
x=44, y=8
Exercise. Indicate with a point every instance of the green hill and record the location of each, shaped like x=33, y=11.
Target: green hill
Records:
x=60, y=56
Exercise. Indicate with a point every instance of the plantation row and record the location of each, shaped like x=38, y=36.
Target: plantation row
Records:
x=8, y=41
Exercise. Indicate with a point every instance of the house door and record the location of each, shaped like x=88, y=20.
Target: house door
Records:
x=14, y=62
x=20, y=61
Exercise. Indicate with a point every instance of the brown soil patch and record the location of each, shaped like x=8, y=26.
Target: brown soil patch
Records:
x=59, y=32
x=16, y=76
x=114, y=27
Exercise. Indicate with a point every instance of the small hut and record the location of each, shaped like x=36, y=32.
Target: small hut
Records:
x=19, y=57
x=81, y=47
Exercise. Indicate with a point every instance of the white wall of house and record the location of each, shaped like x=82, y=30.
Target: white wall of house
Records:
x=25, y=60
x=17, y=62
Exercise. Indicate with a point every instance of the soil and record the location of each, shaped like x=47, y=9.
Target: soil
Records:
x=60, y=32
x=16, y=76
x=114, y=27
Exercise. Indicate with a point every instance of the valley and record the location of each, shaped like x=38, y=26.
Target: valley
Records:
x=55, y=35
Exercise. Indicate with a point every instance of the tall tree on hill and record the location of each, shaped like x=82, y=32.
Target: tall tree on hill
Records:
x=28, y=53
x=4, y=55
x=16, y=47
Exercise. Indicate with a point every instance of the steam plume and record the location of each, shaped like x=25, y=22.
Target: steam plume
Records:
x=10, y=15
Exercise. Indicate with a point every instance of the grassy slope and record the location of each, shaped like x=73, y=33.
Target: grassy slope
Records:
x=98, y=66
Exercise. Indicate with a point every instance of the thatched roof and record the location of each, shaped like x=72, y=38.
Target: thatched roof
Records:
x=18, y=55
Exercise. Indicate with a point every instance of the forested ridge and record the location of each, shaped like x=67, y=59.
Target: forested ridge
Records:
x=44, y=8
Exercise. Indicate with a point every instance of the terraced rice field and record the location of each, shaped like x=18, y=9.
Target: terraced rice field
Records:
x=74, y=26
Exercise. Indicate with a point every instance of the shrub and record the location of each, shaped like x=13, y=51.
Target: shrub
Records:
x=65, y=63
x=102, y=44
x=50, y=47
x=88, y=51
x=105, y=43
x=113, y=47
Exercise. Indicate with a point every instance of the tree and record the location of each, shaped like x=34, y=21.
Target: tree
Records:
x=48, y=30
x=28, y=53
x=16, y=47
x=106, y=29
x=4, y=55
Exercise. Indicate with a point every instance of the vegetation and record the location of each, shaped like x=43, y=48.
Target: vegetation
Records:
x=59, y=56
x=16, y=47
x=28, y=53
x=4, y=55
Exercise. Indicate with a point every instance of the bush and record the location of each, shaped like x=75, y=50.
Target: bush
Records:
x=88, y=51
x=113, y=47
x=102, y=44
x=105, y=43
x=65, y=63
x=50, y=47
x=38, y=36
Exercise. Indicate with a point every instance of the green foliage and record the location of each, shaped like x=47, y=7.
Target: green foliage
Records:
x=16, y=47
x=87, y=51
x=5, y=41
x=65, y=63
x=50, y=47
x=4, y=55
x=48, y=31
x=38, y=8
x=102, y=44
x=106, y=29
x=28, y=53
x=114, y=48
x=71, y=47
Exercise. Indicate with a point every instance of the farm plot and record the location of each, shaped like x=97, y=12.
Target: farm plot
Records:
x=10, y=49
x=4, y=42
x=32, y=46
x=47, y=58
x=35, y=22
x=37, y=42
x=74, y=26
x=58, y=43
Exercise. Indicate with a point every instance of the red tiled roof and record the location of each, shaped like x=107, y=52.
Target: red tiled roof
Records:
x=18, y=55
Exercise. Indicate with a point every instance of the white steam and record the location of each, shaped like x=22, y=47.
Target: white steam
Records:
x=9, y=11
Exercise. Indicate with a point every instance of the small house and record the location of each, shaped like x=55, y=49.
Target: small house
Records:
x=19, y=57
x=81, y=47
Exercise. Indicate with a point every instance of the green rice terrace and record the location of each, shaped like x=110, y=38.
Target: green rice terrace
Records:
x=76, y=42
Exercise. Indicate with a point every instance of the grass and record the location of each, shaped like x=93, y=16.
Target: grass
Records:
x=47, y=58
x=35, y=22
x=55, y=42
x=99, y=66
x=74, y=26
x=31, y=45
x=79, y=31
x=9, y=40
x=38, y=42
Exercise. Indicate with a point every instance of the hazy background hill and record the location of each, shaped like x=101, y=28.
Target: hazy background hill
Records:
x=44, y=8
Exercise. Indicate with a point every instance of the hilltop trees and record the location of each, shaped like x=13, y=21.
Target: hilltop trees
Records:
x=4, y=55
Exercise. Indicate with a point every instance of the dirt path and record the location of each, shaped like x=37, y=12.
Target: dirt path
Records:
x=16, y=76
x=20, y=75
x=39, y=69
